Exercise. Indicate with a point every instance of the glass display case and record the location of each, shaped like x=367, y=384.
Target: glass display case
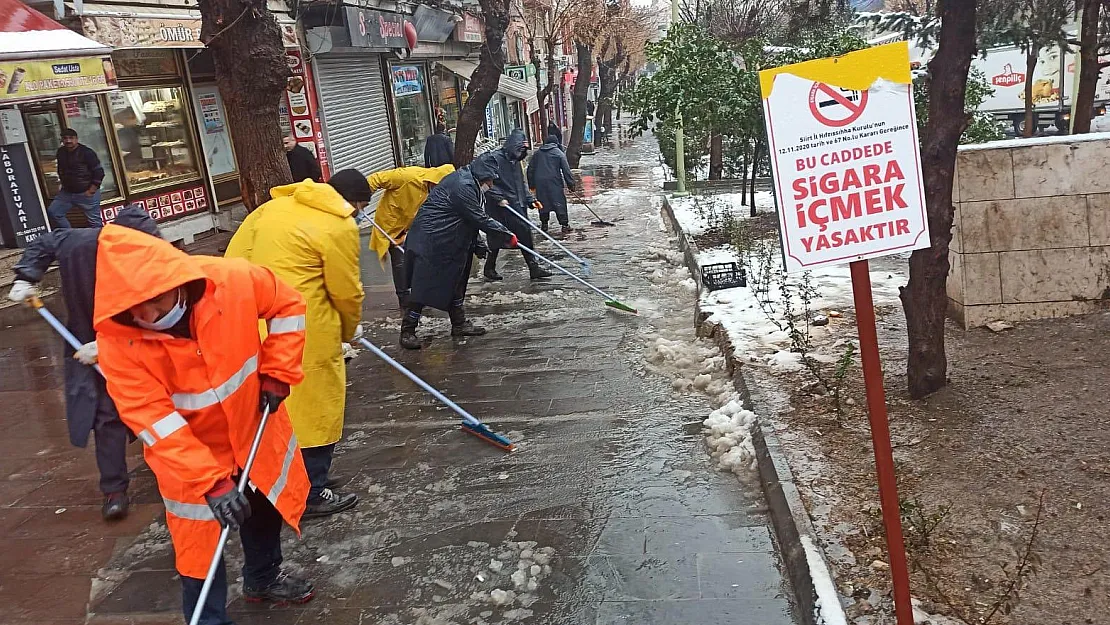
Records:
x=154, y=138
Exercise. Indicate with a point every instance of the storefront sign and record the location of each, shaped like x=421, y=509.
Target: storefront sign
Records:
x=846, y=165
x=300, y=113
x=162, y=205
x=289, y=37
x=36, y=79
x=25, y=218
x=142, y=63
x=489, y=120
x=433, y=25
x=376, y=29
x=519, y=72
x=406, y=81
x=142, y=32
x=469, y=30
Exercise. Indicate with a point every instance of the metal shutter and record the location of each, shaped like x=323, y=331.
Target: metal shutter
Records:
x=356, y=121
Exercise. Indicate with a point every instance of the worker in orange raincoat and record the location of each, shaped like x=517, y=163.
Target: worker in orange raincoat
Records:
x=405, y=188
x=179, y=345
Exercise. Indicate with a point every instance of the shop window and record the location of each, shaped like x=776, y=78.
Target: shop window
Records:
x=410, y=97
x=154, y=139
x=83, y=115
x=46, y=120
x=446, y=90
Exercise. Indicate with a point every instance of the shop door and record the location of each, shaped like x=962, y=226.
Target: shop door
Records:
x=356, y=119
x=44, y=134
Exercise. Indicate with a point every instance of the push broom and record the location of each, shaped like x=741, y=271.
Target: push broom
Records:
x=585, y=265
x=206, y=588
x=600, y=221
x=470, y=424
x=610, y=301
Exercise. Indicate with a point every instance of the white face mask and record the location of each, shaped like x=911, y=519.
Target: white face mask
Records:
x=168, y=320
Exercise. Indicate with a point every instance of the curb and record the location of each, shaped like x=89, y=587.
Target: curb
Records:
x=806, y=565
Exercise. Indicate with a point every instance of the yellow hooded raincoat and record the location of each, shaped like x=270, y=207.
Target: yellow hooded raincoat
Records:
x=307, y=236
x=405, y=188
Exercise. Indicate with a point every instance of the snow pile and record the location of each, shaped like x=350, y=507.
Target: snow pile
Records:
x=516, y=574
x=728, y=435
x=691, y=366
x=690, y=211
x=827, y=610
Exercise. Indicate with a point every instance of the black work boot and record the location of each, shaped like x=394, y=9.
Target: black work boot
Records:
x=408, y=339
x=543, y=225
x=490, y=272
x=115, y=506
x=285, y=589
x=467, y=328
x=536, y=272
x=329, y=502
x=566, y=229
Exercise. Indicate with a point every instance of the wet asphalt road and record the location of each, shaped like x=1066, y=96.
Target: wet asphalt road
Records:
x=608, y=513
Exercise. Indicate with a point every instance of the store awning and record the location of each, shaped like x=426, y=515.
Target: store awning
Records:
x=27, y=34
x=509, y=86
x=141, y=27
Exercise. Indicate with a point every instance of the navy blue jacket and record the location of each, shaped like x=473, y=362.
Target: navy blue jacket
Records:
x=79, y=168
x=438, y=150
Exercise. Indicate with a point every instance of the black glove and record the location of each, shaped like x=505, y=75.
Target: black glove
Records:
x=480, y=249
x=272, y=393
x=229, y=505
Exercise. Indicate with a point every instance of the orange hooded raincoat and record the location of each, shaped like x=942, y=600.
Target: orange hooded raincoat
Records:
x=194, y=402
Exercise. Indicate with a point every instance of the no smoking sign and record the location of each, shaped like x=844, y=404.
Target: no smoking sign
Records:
x=836, y=107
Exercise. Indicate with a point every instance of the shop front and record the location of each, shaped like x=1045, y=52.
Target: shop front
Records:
x=507, y=109
x=349, y=66
x=50, y=78
x=412, y=109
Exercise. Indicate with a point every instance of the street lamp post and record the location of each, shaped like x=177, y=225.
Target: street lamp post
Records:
x=679, y=140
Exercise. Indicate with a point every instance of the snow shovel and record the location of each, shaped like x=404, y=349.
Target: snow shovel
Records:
x=600, y=221
x=610, y=301
x=585, y=265
x=242, y=488
x=37, y=304
x=470, y=424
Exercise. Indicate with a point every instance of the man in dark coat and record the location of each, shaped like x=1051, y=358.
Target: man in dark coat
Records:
x=547, y=173
x=88, y=407
x=441, y=245
x=80, y=175
x=438, y=149
x=510, y=191
x=553, y=130
x=302, y=162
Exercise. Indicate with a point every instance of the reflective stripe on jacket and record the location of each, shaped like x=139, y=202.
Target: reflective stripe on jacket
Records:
x=194, y=401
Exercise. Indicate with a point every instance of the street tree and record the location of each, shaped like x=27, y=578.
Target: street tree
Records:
x=925, y=298
x=251, y=72
x=586, y=31
x=623, y=39
x=547, y=24
x=485, y=79
x=1094, y=43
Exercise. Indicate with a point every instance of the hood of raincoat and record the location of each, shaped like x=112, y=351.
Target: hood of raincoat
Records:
x=485, y=168
x=318, y=195
x=131, y=216
x=435, y=174
x=514, y=145
x=138, y=267
x=551, y=143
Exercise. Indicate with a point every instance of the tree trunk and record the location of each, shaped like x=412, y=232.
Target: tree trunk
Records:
x=607, y=76
x=484, y=80
x=925, y=297
x=1030, y=69
x=716, y=156
x=578, y=99
x=1089, y=67
x=757, y=155
x=744, y=176
x=251, y=91
x=540, y=95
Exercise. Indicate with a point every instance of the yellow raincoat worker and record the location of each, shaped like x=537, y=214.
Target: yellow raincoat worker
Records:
x=405, y=188
x=308, y=237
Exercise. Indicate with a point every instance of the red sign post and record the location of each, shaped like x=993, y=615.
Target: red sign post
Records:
x=845, y=157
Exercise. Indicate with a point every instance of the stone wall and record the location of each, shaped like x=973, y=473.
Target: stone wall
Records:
x=1031, y=237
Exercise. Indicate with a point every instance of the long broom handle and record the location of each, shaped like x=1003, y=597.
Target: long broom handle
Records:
x=386, y=235
x=548, y=236
x=560, y=268
x=583, y=203
x=37, y=304
x=242, y=488
x=469, y=418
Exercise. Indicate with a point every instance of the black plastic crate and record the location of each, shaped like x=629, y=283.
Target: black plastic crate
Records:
x=719, y=276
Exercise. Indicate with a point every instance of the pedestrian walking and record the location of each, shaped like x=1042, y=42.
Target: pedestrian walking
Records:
x=548, y=171
x=302, y=162
x=509, y=190
x=180, y=349
x=80, y=176
x=308, y=237
x=88, y=406
x=405, y=188
x=553, y=130
x=439, y=150
x=441, y=246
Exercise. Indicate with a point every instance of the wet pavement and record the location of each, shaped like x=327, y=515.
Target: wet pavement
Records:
x=608, y=513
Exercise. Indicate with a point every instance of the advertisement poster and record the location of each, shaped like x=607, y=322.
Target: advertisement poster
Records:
x=216, y=140
x=41, y=78
x=300, y=115
x=1005, y=71
x=846, y=161
x=141, y=32
x=406, y=81
x=211, y=112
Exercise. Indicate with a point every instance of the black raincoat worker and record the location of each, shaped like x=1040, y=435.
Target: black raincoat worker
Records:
x=439, y=150
x=509, y=190
x=88, y=407
x=547, y=172
x=441, y=245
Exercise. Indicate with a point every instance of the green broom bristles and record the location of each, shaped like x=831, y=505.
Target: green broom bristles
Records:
x=612, y=303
